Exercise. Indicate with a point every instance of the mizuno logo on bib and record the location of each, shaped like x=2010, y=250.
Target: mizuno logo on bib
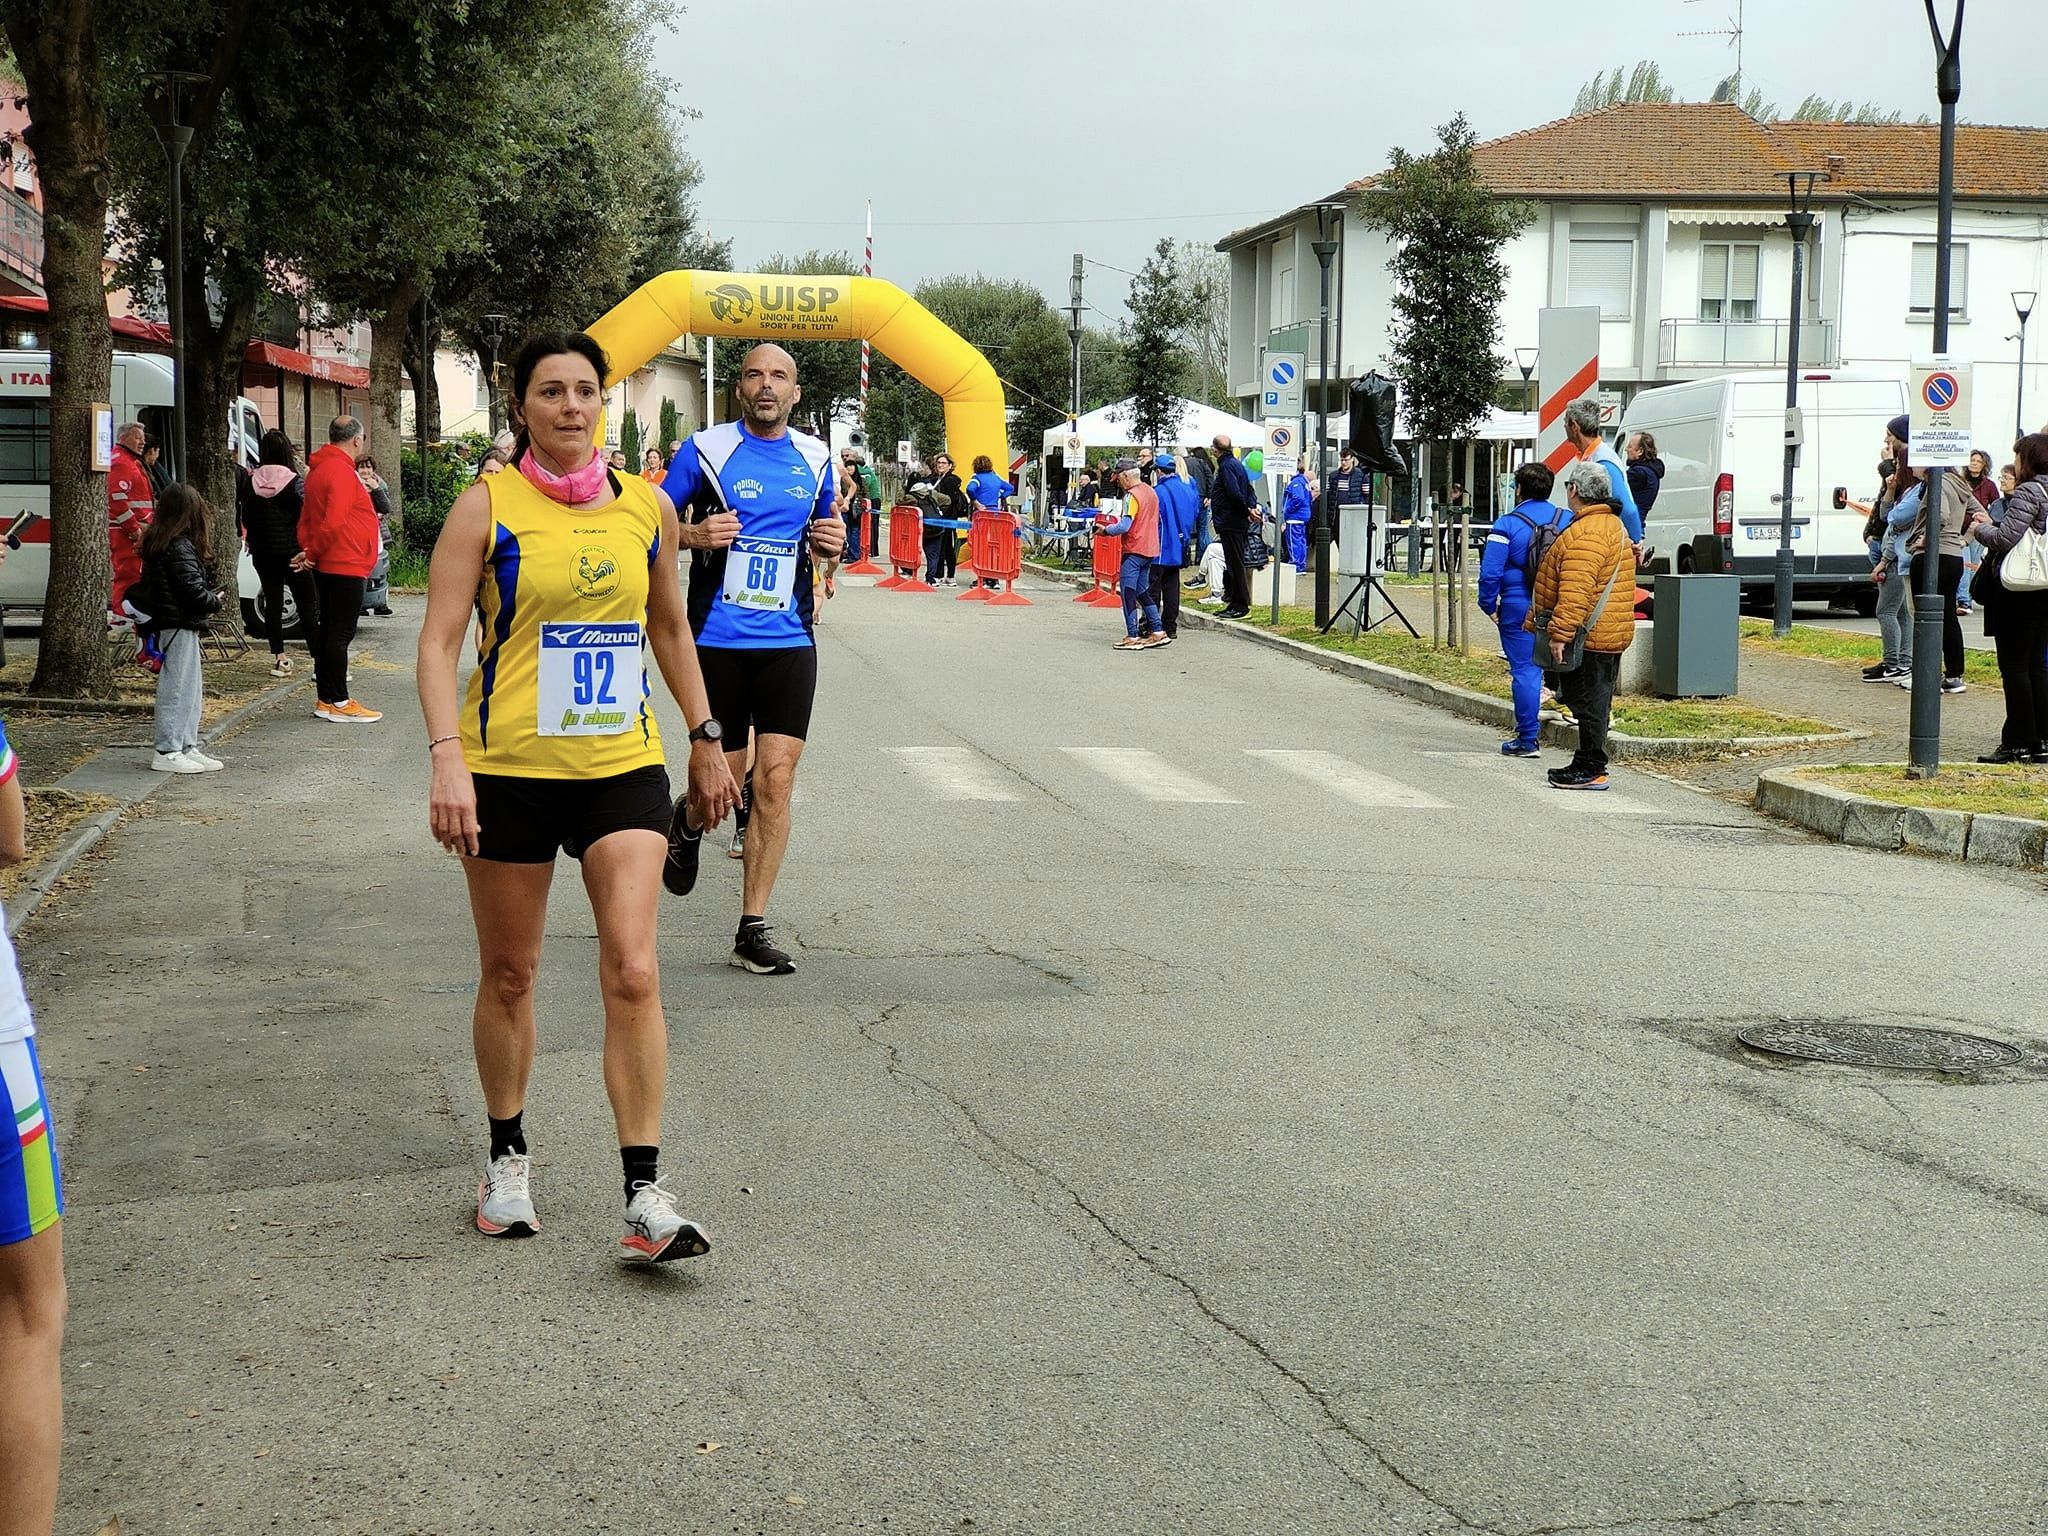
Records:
x=760, y=573
x=591, y=679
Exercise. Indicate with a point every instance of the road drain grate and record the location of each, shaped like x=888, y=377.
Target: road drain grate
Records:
x=1880, y=1045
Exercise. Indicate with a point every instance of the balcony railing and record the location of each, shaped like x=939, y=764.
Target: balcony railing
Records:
x=1743, y=343
x=21, y=239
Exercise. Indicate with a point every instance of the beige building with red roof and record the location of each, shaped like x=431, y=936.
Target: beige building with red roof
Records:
x=1670, y=218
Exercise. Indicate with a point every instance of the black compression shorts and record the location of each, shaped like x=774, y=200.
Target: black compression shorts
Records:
x=524, y=821
x=768, y=690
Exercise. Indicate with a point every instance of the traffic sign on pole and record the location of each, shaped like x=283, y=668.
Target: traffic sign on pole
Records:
x=1283, y=448
x=1282, y=385
x=1072, y=454
x=1940, y=412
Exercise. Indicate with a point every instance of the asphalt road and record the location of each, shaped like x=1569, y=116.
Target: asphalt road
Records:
x=1215, y=1097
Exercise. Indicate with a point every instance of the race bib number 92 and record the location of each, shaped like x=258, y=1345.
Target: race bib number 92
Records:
x=591, y=679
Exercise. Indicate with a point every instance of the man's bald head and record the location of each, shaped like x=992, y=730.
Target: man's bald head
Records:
x=768, y=389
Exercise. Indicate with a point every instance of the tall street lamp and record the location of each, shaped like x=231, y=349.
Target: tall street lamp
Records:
x=1923, y=754
x=1074, y=329
x=1799, y=220
x=494, y=333
x=176, y=137
x=2023, y=306
x=1325, y=248
x=1525, y=359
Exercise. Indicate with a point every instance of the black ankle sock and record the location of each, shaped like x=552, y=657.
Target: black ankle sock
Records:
x=506, y=1136
x=641, y=1164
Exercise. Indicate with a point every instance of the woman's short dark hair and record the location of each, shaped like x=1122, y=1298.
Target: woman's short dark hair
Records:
x=541, y=347
x=983, y=465
x=2030, y=456
x=276, y=448
x=1533, y=481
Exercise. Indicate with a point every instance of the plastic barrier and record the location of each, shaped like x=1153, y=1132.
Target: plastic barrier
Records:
x=995, y=548
x=906, y=552
x=1108, y=560
x=865, y=565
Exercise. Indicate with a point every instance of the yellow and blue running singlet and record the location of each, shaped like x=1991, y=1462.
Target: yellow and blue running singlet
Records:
x=30, y=1196
x=561, y=689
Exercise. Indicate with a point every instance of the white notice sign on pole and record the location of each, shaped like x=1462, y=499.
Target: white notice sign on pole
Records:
x=1940, y=411
x=1283, y=448
x=1072, y=454
x=902, y=450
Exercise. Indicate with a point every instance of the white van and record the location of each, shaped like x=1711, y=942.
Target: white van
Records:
x=1723, y=445
x=140, y=390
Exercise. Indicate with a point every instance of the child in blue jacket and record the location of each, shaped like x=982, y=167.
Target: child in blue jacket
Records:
x=1504, y=595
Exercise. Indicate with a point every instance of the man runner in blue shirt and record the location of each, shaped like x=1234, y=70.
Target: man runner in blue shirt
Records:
x=756, y=503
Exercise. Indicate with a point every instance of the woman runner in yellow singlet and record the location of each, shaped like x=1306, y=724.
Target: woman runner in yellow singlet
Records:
x=554, y=747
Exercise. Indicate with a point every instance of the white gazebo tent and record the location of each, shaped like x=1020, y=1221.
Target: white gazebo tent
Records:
x=1110, y=427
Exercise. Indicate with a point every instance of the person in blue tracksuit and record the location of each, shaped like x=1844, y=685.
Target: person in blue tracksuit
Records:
x=1180, y=509
x=1297, y=506
x=1504, y=595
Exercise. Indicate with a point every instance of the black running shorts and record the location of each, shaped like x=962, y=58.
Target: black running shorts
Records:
x=524, y=821
x=768, y=690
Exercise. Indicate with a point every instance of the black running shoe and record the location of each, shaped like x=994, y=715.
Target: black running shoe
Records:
x=752, y=951
x=679, y=869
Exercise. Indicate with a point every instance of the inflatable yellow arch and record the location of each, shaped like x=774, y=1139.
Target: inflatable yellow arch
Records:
x=768, y=306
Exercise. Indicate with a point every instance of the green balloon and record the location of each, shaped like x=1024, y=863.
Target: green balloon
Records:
x=1255, y=461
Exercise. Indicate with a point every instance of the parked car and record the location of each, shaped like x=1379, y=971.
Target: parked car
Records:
x=1723, y=445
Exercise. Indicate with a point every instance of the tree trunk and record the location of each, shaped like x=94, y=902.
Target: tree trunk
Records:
x=387, y=370
x=58, y=55
x=426, y=388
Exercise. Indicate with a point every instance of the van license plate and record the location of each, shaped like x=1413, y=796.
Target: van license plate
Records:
x=1770, y=531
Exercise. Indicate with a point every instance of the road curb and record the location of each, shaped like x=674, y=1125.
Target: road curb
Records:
x=23, y=703
x=1864, y=821
x=89, y=833
x=1483, y=707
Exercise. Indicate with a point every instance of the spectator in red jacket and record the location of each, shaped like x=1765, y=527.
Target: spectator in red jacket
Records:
x=131, y=503
x=338, y=542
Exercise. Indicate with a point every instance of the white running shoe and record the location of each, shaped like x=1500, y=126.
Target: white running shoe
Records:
x=655, y=1233
x=504, y=1200
x=178, y=762
x=205, y=760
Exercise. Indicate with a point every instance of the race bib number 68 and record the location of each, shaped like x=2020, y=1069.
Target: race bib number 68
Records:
x=760, y=573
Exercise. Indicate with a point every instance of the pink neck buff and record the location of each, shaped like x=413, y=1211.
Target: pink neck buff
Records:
x=572, y=489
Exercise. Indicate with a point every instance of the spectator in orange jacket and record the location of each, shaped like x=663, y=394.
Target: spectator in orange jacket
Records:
x=131, y=503
x=1587, y=582
x=338, y=542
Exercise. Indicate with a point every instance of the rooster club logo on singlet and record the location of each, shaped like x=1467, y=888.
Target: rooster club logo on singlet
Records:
x=597, y=572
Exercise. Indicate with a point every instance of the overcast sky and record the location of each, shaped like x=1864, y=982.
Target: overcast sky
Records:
x=1002, y=136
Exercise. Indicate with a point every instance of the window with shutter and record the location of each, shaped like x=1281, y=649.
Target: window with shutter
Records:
x=1603, y=272
x=1728, y=280
x=1920, y=303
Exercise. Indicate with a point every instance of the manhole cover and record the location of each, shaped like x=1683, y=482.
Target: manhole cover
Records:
x=1880, y=1045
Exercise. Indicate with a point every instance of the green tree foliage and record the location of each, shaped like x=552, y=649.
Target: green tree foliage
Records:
x=671, y=425
x=1645, y=82
x=1747, y=97
x=1164, y=309
x=1207, y=342
x=1447, y=230
x=1023, y=338
x=629, y=439
x=829, y=371
x=1818, y=109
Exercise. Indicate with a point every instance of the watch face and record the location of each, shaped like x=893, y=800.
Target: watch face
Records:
x=710, y=730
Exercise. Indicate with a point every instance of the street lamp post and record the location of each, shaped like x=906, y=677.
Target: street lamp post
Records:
x=494, y=333
x=1799, y=220
x=176, y=138
x=1325, y=249
x=1923, y=759
x=1074, y=330
x=2023, y=306
x=1525, y=359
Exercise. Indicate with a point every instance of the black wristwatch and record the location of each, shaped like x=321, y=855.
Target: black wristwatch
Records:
x=710, y=730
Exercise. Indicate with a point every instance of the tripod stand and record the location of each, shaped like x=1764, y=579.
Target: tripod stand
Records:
x=1365, y=584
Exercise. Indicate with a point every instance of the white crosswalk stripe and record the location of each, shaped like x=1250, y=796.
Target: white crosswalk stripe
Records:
x=1341, y=776
x=1527, y=778
x=1150, y=775
x=957, y=773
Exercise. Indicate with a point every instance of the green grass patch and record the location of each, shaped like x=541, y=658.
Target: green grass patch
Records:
x=2003, y=789
x=1486, y=671
x=409, y=570
x=1810, y=640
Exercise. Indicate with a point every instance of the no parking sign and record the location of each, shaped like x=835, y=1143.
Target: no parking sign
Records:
x=1283, y=448
x=1940, y=411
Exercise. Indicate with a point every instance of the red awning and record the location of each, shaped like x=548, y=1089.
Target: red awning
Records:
x=128, y=327
x=327, y=369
